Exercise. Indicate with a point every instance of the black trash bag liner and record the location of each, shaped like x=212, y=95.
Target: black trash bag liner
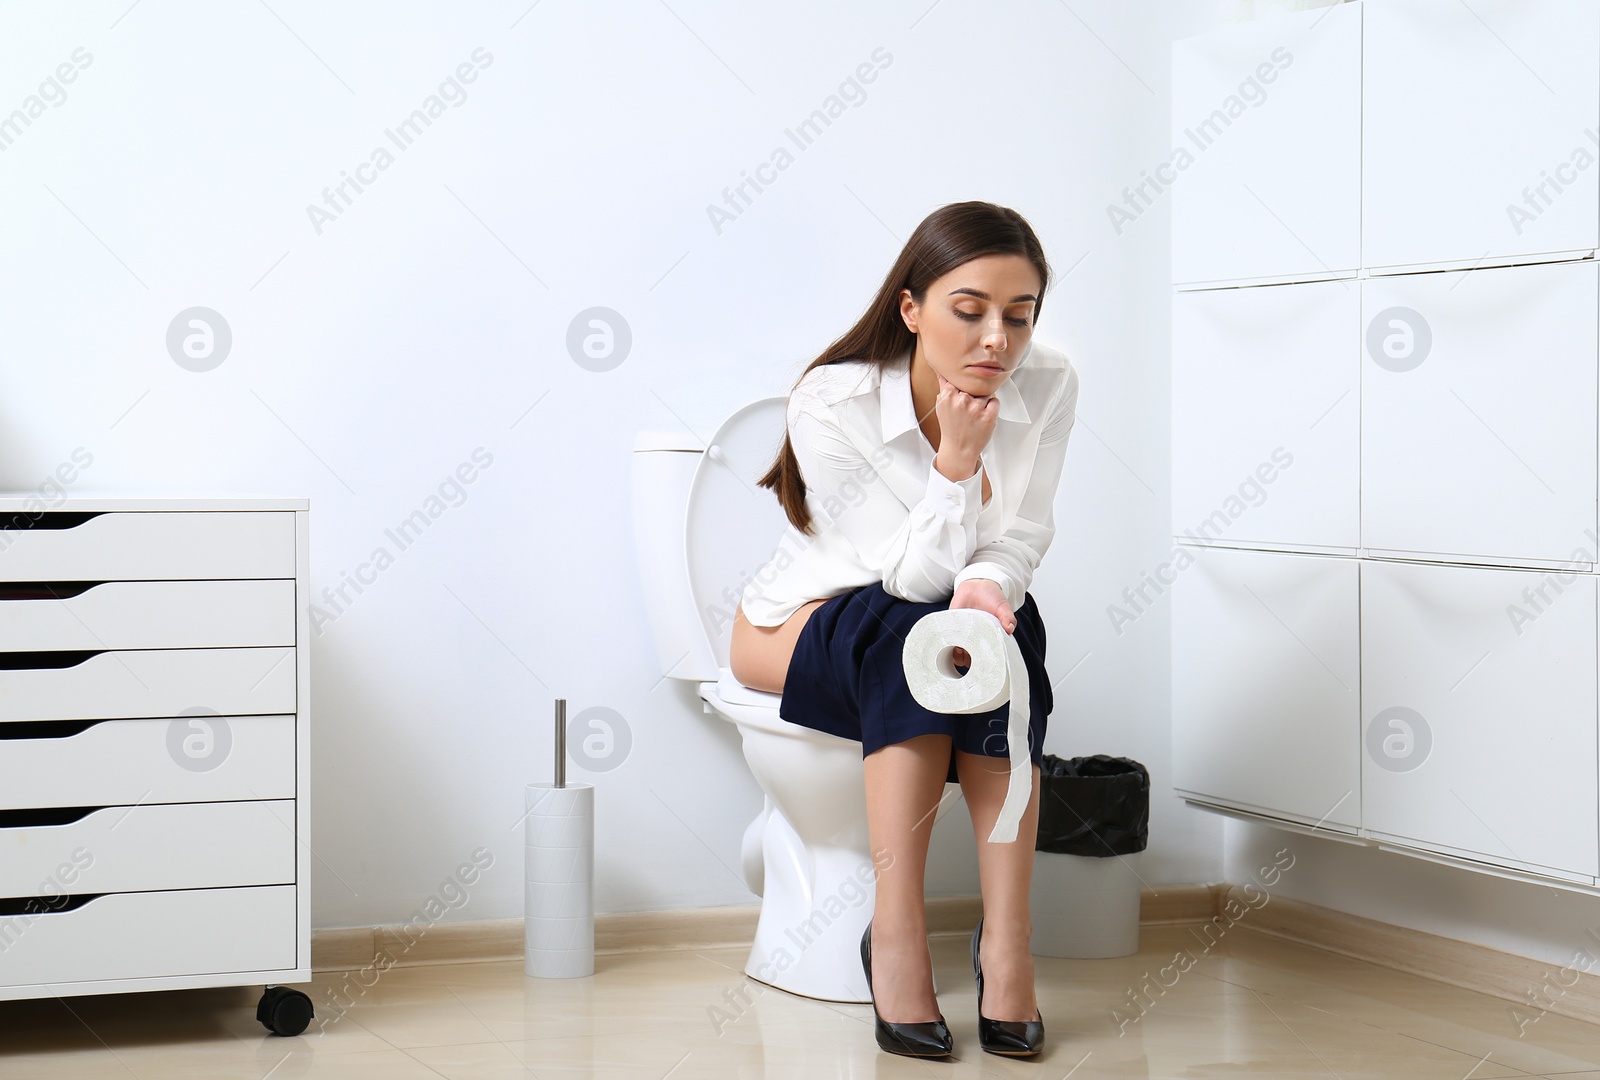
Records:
x=1096, y=805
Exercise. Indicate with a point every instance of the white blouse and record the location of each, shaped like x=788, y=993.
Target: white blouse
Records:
x=880, y=511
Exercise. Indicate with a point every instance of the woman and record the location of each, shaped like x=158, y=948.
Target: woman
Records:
x=928, y=440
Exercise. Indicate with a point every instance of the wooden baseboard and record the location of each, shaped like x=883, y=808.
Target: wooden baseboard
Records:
x=1534, y=985
x=685, y=928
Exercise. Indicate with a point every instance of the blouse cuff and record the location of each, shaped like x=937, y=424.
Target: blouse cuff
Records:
x=955, y=500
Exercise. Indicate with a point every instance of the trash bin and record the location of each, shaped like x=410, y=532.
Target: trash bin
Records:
x=1094, y=820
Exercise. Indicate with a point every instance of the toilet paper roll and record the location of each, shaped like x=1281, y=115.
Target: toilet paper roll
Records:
x=997, y=675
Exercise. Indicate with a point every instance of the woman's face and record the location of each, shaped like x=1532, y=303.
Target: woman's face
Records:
x=976, y=322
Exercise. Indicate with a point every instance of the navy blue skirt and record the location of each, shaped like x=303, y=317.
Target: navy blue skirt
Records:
x=847, y=677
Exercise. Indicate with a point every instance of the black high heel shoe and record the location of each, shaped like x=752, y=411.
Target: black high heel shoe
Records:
x=1014, y=1038
x=926, y=1038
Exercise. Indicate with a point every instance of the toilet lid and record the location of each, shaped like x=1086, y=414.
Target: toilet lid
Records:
x=733, y=526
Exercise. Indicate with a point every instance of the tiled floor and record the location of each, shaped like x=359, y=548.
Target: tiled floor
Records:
x=1251, y=1006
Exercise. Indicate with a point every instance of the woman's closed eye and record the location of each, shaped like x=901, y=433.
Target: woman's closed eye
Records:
x=969, y=316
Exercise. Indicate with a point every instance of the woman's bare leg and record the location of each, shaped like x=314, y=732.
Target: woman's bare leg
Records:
x=1005, y=872
x=905, y=782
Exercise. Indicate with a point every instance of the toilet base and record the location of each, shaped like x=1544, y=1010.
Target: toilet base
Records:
x=816, y=893
x=816, y=903
x=814, y=906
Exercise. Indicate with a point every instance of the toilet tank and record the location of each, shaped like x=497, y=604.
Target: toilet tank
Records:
x=664, y=465
x=702, y=529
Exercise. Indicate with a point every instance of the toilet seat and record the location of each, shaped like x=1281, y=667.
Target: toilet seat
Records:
x=732, y=690
x=757, y=709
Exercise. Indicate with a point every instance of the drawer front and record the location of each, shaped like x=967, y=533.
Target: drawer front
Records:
x=151, y=934
x=148, y=847
x=155, y=760
x=148, y=682
x=130, y=545
x=50, y=615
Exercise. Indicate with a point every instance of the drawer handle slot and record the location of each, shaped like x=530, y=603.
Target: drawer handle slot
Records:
x=46, y=729
x=45, y=816
x=49, y=519
x=56, y=658
x=45, y=590
x=42, y=905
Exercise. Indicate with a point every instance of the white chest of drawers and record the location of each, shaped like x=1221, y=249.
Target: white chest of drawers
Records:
x=154, y=745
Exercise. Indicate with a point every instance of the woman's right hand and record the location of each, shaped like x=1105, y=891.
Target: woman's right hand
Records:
x=966, y=423
x=984, y=595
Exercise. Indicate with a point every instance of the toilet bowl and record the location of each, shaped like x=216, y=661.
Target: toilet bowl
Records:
x=702, y=526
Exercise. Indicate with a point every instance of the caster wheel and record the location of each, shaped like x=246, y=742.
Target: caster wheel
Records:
x=284, y=1011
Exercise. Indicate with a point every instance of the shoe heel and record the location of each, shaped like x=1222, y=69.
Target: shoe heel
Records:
x=927, y=1038
x=1011, y=1038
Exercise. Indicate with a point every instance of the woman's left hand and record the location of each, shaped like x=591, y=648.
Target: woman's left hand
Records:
x=985, y=595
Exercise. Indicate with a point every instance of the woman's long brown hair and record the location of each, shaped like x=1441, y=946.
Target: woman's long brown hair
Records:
x=948, y=237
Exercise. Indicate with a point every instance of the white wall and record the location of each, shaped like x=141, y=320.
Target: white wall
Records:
x=430, y=318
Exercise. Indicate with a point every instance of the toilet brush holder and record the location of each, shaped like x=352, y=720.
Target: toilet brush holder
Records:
x=559, y=925
x=558, y=922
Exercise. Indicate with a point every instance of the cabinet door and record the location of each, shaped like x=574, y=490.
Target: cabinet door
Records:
x=148, y=846
x=146, y=682
x=1478, y=427
x=141, y=935
x=146, y=545
x=46, y=616
x=1265, y=684
x=1479, y=129
x=1265, y=414
x=1478, y=710
x=1266, y=149
x=135, y=761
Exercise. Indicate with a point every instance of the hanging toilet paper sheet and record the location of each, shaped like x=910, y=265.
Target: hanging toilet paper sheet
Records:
x=998, y=674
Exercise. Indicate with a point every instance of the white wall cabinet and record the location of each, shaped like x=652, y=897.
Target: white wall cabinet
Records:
x=155, y=748
x=1478, y=417
x=1266, y=149
x=1266, y=684
x=1479, y=130
x=1265, y=407
x=1479, y=728
x=1410, y=614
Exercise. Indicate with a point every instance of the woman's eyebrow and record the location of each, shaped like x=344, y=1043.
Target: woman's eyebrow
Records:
x=985, y=296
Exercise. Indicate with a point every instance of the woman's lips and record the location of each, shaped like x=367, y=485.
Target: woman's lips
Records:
x=987, y=369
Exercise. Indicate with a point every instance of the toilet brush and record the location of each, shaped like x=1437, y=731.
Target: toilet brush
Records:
x=558, y=934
